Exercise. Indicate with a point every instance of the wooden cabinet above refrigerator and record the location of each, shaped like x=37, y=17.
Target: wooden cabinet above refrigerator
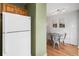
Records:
x=14, y=9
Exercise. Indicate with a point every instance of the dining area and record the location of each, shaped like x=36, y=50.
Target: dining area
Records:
x=56, y=45
x=61, y=38
x=57, y=39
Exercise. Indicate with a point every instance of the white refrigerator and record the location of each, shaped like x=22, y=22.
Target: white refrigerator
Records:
x=16, y=35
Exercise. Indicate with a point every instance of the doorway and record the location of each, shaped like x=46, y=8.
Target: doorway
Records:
x=62, y=34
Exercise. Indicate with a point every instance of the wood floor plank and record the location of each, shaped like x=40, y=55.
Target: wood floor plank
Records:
x=64, y=50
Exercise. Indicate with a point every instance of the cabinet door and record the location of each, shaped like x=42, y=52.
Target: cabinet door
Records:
x=17, y=44
x=11, y=8
x=15, y=22
x=8, y=8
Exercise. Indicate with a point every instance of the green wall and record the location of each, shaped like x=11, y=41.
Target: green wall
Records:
x=38, y=24
x=31, y=7
x=40, y=29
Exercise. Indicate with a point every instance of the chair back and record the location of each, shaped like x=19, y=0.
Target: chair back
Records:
x=56, y=37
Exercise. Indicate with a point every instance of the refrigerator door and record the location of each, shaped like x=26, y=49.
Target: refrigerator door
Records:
x=15, y=22
x=17, y=44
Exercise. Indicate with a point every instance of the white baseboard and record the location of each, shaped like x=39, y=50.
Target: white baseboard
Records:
x=78, y=46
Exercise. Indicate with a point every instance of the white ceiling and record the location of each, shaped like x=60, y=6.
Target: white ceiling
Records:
x=67, y=6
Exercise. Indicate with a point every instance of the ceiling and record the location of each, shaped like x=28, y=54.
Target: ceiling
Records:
x=68, y=7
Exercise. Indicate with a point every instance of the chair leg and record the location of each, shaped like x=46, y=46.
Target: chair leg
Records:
x=54, y=45
x=63, y=42
x=58, y=45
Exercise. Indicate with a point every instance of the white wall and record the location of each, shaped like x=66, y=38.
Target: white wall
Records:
x=78, y=27
x=70, y=21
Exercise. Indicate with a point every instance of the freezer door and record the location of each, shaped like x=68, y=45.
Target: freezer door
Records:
x=17, y=44
x=15, y=22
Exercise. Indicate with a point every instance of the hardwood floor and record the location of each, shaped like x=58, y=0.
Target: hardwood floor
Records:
x=78, y=51
x=64, y=50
